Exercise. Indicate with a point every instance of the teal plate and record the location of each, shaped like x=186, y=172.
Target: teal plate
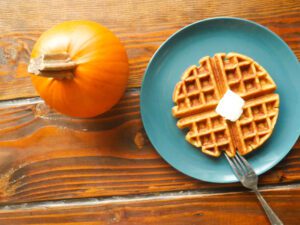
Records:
x=185, y=48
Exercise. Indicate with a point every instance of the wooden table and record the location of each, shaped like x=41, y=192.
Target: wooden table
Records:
x=106, y=171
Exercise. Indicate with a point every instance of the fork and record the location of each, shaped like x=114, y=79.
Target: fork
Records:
x=245, y=173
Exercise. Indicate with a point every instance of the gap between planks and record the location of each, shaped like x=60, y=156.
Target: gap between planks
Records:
x=18, y=102
x=138, y=198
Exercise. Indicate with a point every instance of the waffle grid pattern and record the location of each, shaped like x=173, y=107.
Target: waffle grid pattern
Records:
x=257, y=121
x=244, y=76
x=199, y=91
x=212, y=134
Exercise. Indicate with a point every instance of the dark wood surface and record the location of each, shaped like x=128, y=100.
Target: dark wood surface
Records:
x=141, y=25
x=44, y=159
x=109, y=155
x=193, y=209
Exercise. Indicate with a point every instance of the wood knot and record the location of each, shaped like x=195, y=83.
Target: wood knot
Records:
x=139, y=140
x=9, y=51
x=117, y=216
x=282, y=178
x=41, y=110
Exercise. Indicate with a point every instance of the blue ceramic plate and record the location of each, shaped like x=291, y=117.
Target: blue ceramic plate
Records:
x=185, y=48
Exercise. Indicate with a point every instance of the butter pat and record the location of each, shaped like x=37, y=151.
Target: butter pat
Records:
x=230, y=106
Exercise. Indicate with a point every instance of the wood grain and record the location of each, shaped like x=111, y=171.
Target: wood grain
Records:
x=46, y=156
x=141, y=25
x=50, y=157
x=235, y=208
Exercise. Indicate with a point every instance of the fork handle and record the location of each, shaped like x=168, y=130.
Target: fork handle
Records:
x=273, y=218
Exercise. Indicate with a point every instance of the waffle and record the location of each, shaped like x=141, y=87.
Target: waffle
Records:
x=201, y=87
x=197, y=90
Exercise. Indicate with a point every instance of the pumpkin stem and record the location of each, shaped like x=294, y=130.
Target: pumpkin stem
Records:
x=52, y=65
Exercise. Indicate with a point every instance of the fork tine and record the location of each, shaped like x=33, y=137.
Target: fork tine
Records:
x=234, y=167
x=245, y=162
x=241, y=163
x=238, y=165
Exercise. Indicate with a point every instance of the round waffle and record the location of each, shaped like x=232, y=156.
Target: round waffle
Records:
x=201, y=87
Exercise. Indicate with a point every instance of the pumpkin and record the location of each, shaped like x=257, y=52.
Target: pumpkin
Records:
x=79, y=68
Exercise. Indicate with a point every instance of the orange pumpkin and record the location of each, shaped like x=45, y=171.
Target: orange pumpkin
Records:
x=79, y=68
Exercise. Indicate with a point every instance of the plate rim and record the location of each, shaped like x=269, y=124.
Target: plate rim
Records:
x=275, y=162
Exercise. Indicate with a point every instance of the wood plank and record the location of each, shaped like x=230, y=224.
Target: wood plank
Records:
x=53, y=157
x=141, y=25
x=228, y=209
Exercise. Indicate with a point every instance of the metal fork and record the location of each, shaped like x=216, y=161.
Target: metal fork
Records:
x=244, y=172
